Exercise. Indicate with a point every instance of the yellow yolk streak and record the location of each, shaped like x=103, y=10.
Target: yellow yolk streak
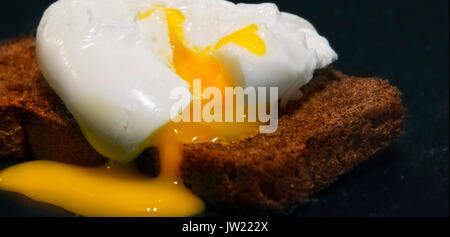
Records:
x=246, y=38
x=121, y=190
x=143, y=15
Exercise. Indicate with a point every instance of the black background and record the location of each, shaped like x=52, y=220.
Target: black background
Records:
x=406, y=42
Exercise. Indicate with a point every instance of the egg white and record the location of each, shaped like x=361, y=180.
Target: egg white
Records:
x=114, y=73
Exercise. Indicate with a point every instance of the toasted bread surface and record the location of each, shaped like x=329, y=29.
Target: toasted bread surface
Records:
x=338, y=123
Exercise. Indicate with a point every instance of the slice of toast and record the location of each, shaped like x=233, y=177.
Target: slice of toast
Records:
x=338, y=123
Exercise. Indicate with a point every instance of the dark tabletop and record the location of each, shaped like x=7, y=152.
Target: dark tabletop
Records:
x=406, y=42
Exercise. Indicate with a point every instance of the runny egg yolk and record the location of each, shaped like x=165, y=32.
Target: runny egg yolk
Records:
x=110, y=190
x=192, y=64
x=121, y=190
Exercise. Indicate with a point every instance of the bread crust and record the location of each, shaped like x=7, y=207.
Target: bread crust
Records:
x=338, y=123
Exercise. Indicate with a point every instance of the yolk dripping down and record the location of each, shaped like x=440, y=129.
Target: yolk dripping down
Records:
x=192, y=64
x=121, y=190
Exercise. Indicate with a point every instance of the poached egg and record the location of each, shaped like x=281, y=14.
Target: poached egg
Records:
x=114, y=63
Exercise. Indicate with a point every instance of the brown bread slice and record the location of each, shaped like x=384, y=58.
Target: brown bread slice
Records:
x=338, y=123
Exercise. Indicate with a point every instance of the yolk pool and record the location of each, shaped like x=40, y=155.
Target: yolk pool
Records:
x=101, y=191
x=120, y=190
